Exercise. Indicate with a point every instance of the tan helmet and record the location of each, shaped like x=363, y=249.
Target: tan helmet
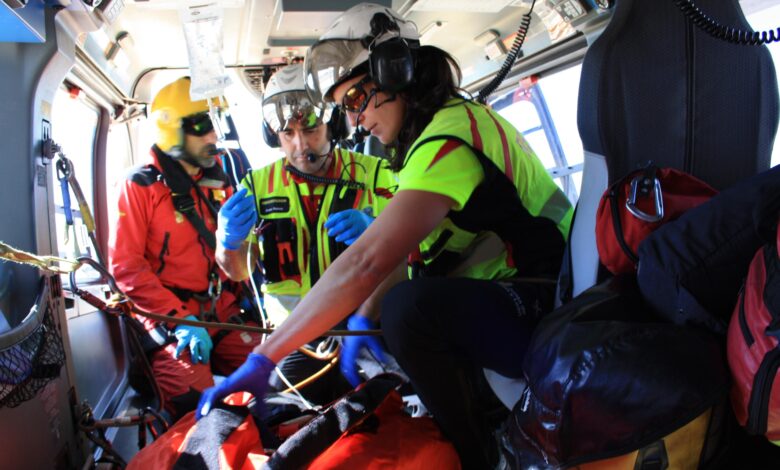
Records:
x=169, y=107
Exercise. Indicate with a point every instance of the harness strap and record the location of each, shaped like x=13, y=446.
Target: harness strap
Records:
x=185, y=205
x=181, y=184
x=207, y=297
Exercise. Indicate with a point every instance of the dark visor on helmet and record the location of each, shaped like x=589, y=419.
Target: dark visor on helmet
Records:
x=198, y=124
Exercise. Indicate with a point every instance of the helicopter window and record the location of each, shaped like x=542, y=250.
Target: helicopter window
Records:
x=119, y=155
x=74, y=124
x=545, y=111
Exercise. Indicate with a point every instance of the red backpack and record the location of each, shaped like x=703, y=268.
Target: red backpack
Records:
x=636, y=205
x=754, y=346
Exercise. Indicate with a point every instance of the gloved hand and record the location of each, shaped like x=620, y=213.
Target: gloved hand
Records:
x=197, y=338
x=347, y=225
x=236, y=218
x=350, y=347
x=251, y=377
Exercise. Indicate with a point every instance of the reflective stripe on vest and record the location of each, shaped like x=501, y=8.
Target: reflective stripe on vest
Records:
x=530, y=213
x=279, y=203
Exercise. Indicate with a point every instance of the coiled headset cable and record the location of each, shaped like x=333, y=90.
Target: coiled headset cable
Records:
x=522, y=31
x=325, y=180
x=725, y=33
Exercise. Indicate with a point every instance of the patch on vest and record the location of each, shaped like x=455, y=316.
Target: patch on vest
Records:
x=274, y=205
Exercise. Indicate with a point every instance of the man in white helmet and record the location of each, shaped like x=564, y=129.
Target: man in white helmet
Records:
x=311, y=205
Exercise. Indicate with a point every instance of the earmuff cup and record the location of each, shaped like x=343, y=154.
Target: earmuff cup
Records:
x=270, y=137
x=337, y=125
x=391, y=65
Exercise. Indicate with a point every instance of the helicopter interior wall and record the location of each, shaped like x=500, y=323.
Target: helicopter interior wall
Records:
x=22, y=65
x=44, y=422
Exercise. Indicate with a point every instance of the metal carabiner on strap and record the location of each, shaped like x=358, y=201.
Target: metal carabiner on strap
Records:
x=212, y=296
x=215, y=286
x=642, y=185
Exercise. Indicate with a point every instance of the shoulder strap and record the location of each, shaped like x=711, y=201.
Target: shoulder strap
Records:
x=180, y=184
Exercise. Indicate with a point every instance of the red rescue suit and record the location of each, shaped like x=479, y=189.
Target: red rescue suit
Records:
x=154, y=248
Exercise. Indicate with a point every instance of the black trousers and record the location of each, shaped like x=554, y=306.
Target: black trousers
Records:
x=443, y=331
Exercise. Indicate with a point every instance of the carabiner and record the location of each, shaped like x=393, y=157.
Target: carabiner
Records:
x=64, y=168
x=646, y=183
x=215, y=286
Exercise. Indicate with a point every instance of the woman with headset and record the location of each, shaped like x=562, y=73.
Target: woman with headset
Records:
x=475, y=213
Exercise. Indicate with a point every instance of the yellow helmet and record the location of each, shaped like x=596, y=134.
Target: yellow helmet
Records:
x=171, y=104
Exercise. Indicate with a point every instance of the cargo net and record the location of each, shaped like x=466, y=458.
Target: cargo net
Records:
x=27, y=366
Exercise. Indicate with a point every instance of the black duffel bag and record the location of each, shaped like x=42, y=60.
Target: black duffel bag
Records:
x=607, y=379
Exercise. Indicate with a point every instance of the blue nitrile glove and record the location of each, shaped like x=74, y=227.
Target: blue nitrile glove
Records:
x=348, y=225
x=196, y=338
x=251, y=377
x=351, y=345
x=236, y=218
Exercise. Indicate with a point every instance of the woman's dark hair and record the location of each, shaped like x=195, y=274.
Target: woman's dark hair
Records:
x=436, y=80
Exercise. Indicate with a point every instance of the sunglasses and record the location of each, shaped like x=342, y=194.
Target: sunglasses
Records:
x=197, y=124
x=356, y=99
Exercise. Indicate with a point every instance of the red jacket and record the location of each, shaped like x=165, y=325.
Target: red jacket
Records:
x=153, y=246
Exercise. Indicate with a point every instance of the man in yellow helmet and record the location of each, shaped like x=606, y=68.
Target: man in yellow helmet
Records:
x=162, y=246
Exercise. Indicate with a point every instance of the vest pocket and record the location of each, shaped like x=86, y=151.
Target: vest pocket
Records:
x=280, y=250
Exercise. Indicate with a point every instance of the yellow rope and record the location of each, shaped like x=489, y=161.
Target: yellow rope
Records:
x=52, y=264
x=314, y=376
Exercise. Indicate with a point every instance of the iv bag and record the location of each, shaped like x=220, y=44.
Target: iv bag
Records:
x=202, y=23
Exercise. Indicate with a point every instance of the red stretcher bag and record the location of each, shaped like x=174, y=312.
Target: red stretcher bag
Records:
x=636, y=205
x=754, y=346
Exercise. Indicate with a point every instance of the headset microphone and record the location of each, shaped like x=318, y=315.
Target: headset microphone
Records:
x=361, y=132
x=312, y=157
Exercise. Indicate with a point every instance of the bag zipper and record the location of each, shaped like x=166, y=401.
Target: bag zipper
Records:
x=758, y=406
x=743, y=324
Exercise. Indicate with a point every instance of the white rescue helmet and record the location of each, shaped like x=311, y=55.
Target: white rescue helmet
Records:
x=349, y=42
x=285, y=100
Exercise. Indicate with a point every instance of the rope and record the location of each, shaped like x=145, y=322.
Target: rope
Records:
x=119, y=301
x=233, y=326
x=52, y=264
x=314, y=376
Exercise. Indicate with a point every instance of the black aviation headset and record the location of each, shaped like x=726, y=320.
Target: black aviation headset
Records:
x=390, y=63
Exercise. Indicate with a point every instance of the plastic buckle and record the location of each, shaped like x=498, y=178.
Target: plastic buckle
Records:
x=644, y=189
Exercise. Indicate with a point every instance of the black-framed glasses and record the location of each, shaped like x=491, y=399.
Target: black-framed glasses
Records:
x=198, y=124
x=356, y=98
